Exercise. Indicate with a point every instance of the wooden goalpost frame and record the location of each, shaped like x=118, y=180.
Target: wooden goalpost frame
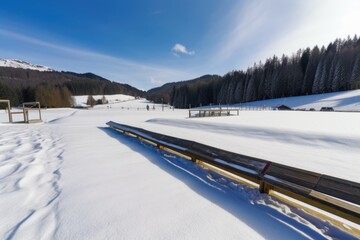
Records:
x=30, y=106
x=8, y=108
x=25, y=111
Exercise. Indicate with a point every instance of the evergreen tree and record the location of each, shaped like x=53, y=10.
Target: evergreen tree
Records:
x=323, y=78
x=318, y=75
x=355, y=74
x=251, y=89
x=311, y=71
x=329, y=87
x=338, y=77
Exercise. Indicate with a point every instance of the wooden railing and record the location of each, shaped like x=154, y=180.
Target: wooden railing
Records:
x=212, y=112
x=334, y=195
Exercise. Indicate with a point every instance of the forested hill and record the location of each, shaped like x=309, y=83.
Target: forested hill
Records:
x=309, y=71
x=179, y=91
x=54, y=88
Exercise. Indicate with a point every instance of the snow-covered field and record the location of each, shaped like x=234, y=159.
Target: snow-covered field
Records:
x=342, y=101
x=73, y=178
x=81, y=100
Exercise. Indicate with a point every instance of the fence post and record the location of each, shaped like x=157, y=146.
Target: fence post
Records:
x=264, y=187
x=40, y=111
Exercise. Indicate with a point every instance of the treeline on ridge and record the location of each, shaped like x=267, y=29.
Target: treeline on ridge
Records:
x=309, y=71
x=54, y=89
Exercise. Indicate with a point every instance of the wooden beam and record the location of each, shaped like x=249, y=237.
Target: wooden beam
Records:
x=8, y=108
x=295, y=183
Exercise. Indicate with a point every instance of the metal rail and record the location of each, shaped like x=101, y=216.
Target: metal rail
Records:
x=334, y=195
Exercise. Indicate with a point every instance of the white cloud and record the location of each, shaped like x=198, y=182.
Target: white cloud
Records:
x=179, y=48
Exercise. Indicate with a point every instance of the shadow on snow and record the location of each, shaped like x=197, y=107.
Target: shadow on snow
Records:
x=284, y=136
x=259, y=211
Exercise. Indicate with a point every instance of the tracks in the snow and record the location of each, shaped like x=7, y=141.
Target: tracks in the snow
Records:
x=29, y=175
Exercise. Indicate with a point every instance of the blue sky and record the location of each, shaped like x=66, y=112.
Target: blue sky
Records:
x=147, y=43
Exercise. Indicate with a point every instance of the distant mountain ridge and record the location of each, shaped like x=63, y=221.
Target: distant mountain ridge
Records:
x=170, y=92
x=21, y=81
x=15, y=63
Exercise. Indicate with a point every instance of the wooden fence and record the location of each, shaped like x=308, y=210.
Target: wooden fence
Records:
x=224, y=111
x=337, y=196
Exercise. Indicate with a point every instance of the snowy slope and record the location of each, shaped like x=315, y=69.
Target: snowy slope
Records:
x=74, y=178
x=14, y=63
x=346, y=101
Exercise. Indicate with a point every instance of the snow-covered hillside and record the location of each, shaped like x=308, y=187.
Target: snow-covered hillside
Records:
x=343, y=101
x=74, y=178
x=23, y=64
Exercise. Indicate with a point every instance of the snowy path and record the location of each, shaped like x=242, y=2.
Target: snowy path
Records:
x=29, y=174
